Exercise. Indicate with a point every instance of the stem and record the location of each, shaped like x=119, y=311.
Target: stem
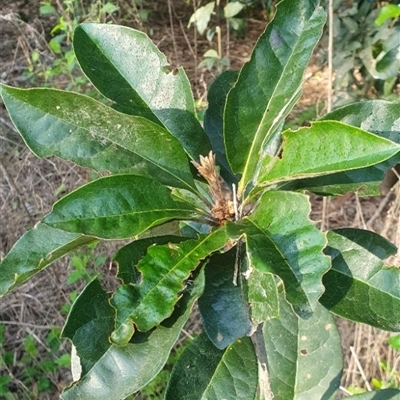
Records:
x=330, y=54
x=261, y=354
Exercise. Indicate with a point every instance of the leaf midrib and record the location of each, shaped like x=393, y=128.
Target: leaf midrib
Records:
x=164, y=277
x=99, y=135
x=245, y=179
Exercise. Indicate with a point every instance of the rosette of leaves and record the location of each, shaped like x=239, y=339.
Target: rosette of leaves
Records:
x=234, y=195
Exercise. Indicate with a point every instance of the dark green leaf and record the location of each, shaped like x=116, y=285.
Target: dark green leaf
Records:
x=385, y=394
x=121, y=371
x=304, y=356
x=127, y=67
x=90, y=324
x=213, y=117
x=223, y=306
x=364, y=181
x=204, y=372
x=269, y=84
x=129, y=256
x=34, y=251
x=282, y=240
x=377, y=116
x=165, y=270
x=83, y=130
x=325, y=148
x=117, y=207
x=359, y=287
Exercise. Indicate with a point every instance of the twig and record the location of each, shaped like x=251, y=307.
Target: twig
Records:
x=237, y=265
x=330, y=55
x=343, y=389
x=8, y=124
x=360, y=368
x=14, y=186
x=359, y=211
x=171, y=22
x=263, y=375
x=235, y=206
x=27, y=324
x=379, y=210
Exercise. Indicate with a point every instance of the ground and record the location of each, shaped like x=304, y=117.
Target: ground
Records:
x=28, y=187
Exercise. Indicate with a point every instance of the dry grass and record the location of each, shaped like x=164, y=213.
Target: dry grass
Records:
x=28, y=187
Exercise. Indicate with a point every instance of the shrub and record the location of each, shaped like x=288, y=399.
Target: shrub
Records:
x=234, y=198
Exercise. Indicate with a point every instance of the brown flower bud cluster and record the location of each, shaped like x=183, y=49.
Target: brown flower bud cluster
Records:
x=223, y=205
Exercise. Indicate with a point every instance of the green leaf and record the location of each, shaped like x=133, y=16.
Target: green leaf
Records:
x=359, y=287
x=233, y=8
x=324, y=148
x=128, y=257
x=34, y=251
x=387, y=12
x=304, y=356
x=380, y=117
x=133, y=366
x=201, y=17
x=90, y=324
x=164, y=273
x=385, y=394
x=204, y=372
x=213, y=117
x=377, y=116
x=85, y=131
x=125, y=66
x=117, y=207
x=223, y=306
x=269, y=84
x=262, y=296
x=282, y=240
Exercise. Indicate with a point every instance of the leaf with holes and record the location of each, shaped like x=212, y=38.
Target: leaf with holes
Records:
x=304, y=356
x=269, y=84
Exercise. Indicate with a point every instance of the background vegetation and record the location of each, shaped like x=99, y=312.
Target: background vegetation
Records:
x=205, y=38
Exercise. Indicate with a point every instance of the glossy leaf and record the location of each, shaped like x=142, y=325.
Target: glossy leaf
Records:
x=280, y=239
x=121, y=371
x=213, y=117
x=223, y=307
x=204, y=372
x=128, y=257
x=116, y=207
x=125, y=66
x=364, y=181
x=379, y=117
x=164, y=271
x=324, y=148
x=85, y=131
x=385, y=394
x=34, y=251
x=359, y=287
x=269, y=84
x=304, y=356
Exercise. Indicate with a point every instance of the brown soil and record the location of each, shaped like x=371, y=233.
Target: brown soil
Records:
x=28, y=187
